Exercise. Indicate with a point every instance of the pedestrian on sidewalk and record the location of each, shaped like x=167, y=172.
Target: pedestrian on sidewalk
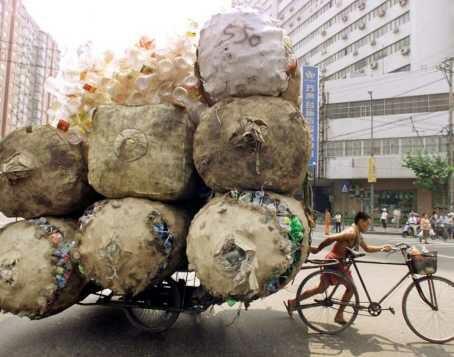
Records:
x=328, y=218
x=396, y=217
x=338, y=221
x=425, y=228
x=384, y=218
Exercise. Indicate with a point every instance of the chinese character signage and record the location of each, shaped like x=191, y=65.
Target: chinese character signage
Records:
x=309, y=106
x=372, y=170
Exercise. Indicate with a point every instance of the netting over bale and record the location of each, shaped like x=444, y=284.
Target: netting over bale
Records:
x=41, y=174
x=243, y=53
x=128, y=243
x=247, y=245
x=261, y=142
x=143, y=151
x=37, y=275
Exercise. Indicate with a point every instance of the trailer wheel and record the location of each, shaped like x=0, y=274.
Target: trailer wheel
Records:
x=154, y=320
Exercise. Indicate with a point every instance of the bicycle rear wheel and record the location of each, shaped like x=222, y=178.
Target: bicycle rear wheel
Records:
x=428, y=309
x=318, y=311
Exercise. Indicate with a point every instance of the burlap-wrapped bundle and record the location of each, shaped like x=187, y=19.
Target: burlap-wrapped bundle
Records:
x=246, y=245
x=41, y=174
x=142, y=151
x=128, y=243
x=37, y=275
x=243, y=53
x=252, y=143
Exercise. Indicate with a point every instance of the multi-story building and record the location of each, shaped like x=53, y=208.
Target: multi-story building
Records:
x=391, y=48
x=27, y=57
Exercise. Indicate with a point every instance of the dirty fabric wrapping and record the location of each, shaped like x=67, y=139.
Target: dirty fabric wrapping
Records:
x=142, y=151
x=247, y=245
x=38, y=276
x=41, y=174
x=129, y=243
x=244, y=53
x=261, y=142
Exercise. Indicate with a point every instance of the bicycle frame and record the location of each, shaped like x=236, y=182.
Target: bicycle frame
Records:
x=353, y=262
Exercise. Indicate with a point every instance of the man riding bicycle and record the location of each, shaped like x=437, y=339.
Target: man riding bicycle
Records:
x=350, y=238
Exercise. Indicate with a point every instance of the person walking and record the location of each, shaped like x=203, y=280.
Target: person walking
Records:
x=384, y=218
x=338, y=220
x=425, y=228
x=328, y=218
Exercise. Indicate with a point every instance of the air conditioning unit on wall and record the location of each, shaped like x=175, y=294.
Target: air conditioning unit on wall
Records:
x=374, y=65
x=373, y=43
x=324, y=51
x=381, y=12
x=345, y=36
x=362, y=25
x=355, y=53
x=362, y=5
x=403, y=2
x=396, y=30
x=344, y=18
x=405, y=51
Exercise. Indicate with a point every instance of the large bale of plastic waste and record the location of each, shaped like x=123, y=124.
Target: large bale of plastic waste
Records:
x=129, y=243
x=252, y=143
x=38, y=276
x=41, y=173
x=247, y=245
x=243, y=53
x=141, y=151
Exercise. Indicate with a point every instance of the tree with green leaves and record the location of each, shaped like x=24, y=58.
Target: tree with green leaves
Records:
x=432, y=171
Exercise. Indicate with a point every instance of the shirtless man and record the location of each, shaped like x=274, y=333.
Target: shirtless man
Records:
x=350, y=238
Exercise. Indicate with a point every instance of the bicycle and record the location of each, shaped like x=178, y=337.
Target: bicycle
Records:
x=427, y=295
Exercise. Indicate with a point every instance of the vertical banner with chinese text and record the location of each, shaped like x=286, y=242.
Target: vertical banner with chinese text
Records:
x=310, y=107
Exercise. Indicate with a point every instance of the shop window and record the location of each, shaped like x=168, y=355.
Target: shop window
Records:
x=353, y=148
x=391, y=146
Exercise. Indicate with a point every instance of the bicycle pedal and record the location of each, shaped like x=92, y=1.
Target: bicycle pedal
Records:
x=392, y=311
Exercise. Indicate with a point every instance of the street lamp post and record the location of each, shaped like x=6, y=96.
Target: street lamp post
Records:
x=371, y=159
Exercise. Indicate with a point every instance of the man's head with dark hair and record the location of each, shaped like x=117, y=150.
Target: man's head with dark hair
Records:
x=362, y=220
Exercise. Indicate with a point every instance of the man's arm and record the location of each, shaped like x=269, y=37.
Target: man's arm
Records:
x=331, y=239
x=374, y=248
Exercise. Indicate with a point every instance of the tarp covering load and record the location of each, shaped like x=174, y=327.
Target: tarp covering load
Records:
x=246, y=245
x=126, y=244
x=252, y=143
x=37, y=275
x=143, y=151
x=41, y=174
x=243, y=53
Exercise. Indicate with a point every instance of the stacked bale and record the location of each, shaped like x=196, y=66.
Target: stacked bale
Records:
x=129, y=243
x=142, y=151
x=242, y=53
x=41, y=174
x=37, y=275
x=249, y=242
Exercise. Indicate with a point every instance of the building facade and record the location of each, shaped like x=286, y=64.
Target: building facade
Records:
x=28, y=56
x=391, y=48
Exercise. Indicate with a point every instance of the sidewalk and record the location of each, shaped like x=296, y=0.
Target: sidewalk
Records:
x=377, y=230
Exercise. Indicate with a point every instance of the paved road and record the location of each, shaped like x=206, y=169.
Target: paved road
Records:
x=264, y=330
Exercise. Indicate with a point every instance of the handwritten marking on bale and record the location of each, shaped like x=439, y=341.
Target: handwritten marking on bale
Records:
x=243, y=53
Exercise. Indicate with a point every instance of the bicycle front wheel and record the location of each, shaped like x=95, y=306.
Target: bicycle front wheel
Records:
x=318, y=311
x=428, y=308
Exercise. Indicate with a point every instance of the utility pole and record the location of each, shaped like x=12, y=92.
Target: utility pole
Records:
x=447, y=67
x=371, y=160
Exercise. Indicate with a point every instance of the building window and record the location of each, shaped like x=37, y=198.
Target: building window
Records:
x=353, y=148
x=391, y=146
x=335, y=149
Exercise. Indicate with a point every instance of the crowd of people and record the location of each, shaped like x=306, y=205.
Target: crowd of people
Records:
x=439, y=224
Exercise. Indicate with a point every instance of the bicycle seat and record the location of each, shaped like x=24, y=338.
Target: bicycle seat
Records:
x=354, y=254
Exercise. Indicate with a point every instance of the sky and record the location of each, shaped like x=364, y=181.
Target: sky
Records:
x=117, y=24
